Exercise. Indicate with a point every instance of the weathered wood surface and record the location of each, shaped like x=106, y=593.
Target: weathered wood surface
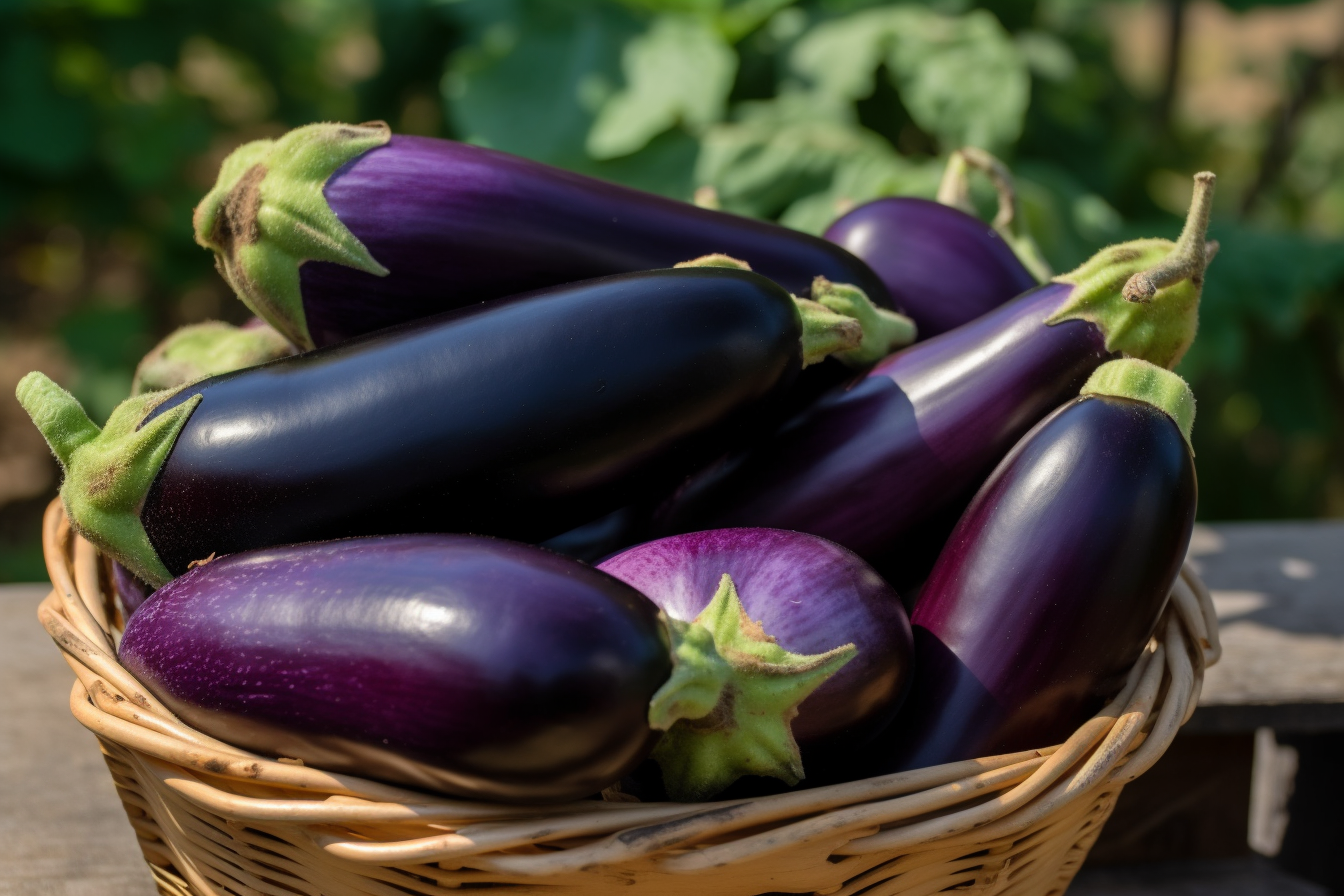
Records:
x=1279, y=590
x=62, y=829
x=1251, y=876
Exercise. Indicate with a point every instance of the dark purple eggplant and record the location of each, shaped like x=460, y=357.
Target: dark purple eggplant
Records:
x=1051, y=583
x=871, y=463
x=520, y=418
x=334, y=230
x=941, y=266
x=474, y=666
x=810, y=595
x=130, y=589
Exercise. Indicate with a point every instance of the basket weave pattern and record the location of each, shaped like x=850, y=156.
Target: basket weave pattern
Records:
x=214, y=820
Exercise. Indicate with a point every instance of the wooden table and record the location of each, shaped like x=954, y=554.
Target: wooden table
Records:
x=1278, y=590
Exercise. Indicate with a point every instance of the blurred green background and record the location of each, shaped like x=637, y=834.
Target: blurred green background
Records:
x=115, y=115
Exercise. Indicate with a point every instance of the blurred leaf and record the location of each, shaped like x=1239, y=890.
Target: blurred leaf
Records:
x=45, y=131
x=520, y=88
x=147, y=146
x=1260, y=282
x=679, y=71
x=780, y=150
x=962, y=78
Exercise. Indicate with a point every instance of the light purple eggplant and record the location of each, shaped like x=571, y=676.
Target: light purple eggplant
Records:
x=875, y=463
x=332, y=231
x=1051, y=583
x=941, y=266
x=809, y=595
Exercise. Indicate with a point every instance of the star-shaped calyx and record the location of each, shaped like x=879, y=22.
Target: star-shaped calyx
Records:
x=728, y=707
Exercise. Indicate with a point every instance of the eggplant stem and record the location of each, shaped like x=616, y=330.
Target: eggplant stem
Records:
x=715, y=260
x=825, y=332
x=57, y=414
x=955, y=190
x=883, y=331
x=1190, y=256
x=108, y=471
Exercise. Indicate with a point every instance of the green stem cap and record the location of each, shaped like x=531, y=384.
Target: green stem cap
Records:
x=838, y=320
x=1141, y=381
x=883, y=331
x=267, y=215
x=728, y=707
x=197, y=351
x=108, y=471
x=1144, y=295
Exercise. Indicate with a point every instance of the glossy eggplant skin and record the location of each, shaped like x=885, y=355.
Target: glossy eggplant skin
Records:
x=941, y=266
x=472, y=666
x=457, y=224
x=132, y=591
x=909, y=442
x=521, y=418
x=1050, y=586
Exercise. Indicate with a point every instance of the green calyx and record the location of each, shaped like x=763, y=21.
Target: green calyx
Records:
x=1141, y=381
x=883, y=331
x=108, y=471
x=197, y=351
x=728, y=707
x=838, y=320
x=1144, y=295
x=267, y=215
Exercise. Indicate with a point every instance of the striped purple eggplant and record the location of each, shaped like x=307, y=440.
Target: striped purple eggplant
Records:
x=474, y=666
x=810, y=595
x=872, y=463
x=941, y=266
x=1051, y=583
x=336, y=230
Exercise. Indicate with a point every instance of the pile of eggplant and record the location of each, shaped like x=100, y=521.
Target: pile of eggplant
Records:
x=527, y=487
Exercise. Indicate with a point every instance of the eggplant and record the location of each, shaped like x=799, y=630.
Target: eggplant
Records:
x=130, y=589
x=810, y=595
x=874, y=462
x=1053, y=580
x=941, y=266
x=336, y=230
x=521, y=418
x=473, y=666
x=196, y=351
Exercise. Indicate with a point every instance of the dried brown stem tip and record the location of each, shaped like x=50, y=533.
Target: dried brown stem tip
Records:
x=1191, y=254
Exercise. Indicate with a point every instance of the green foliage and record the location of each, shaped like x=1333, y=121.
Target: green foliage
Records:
x=118, y=112
x=679, y=71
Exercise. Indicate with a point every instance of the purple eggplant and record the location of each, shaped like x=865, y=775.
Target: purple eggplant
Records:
x=872, y=463
x=520, y=418
x=1050, y=586
x=941, y=266
x=335, y=230
x=810, y=595
x=468, y=665
x=130, y=589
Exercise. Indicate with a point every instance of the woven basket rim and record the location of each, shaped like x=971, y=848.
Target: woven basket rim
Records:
x=365, y=824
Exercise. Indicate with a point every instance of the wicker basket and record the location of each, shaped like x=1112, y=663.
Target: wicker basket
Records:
x=213, y=820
